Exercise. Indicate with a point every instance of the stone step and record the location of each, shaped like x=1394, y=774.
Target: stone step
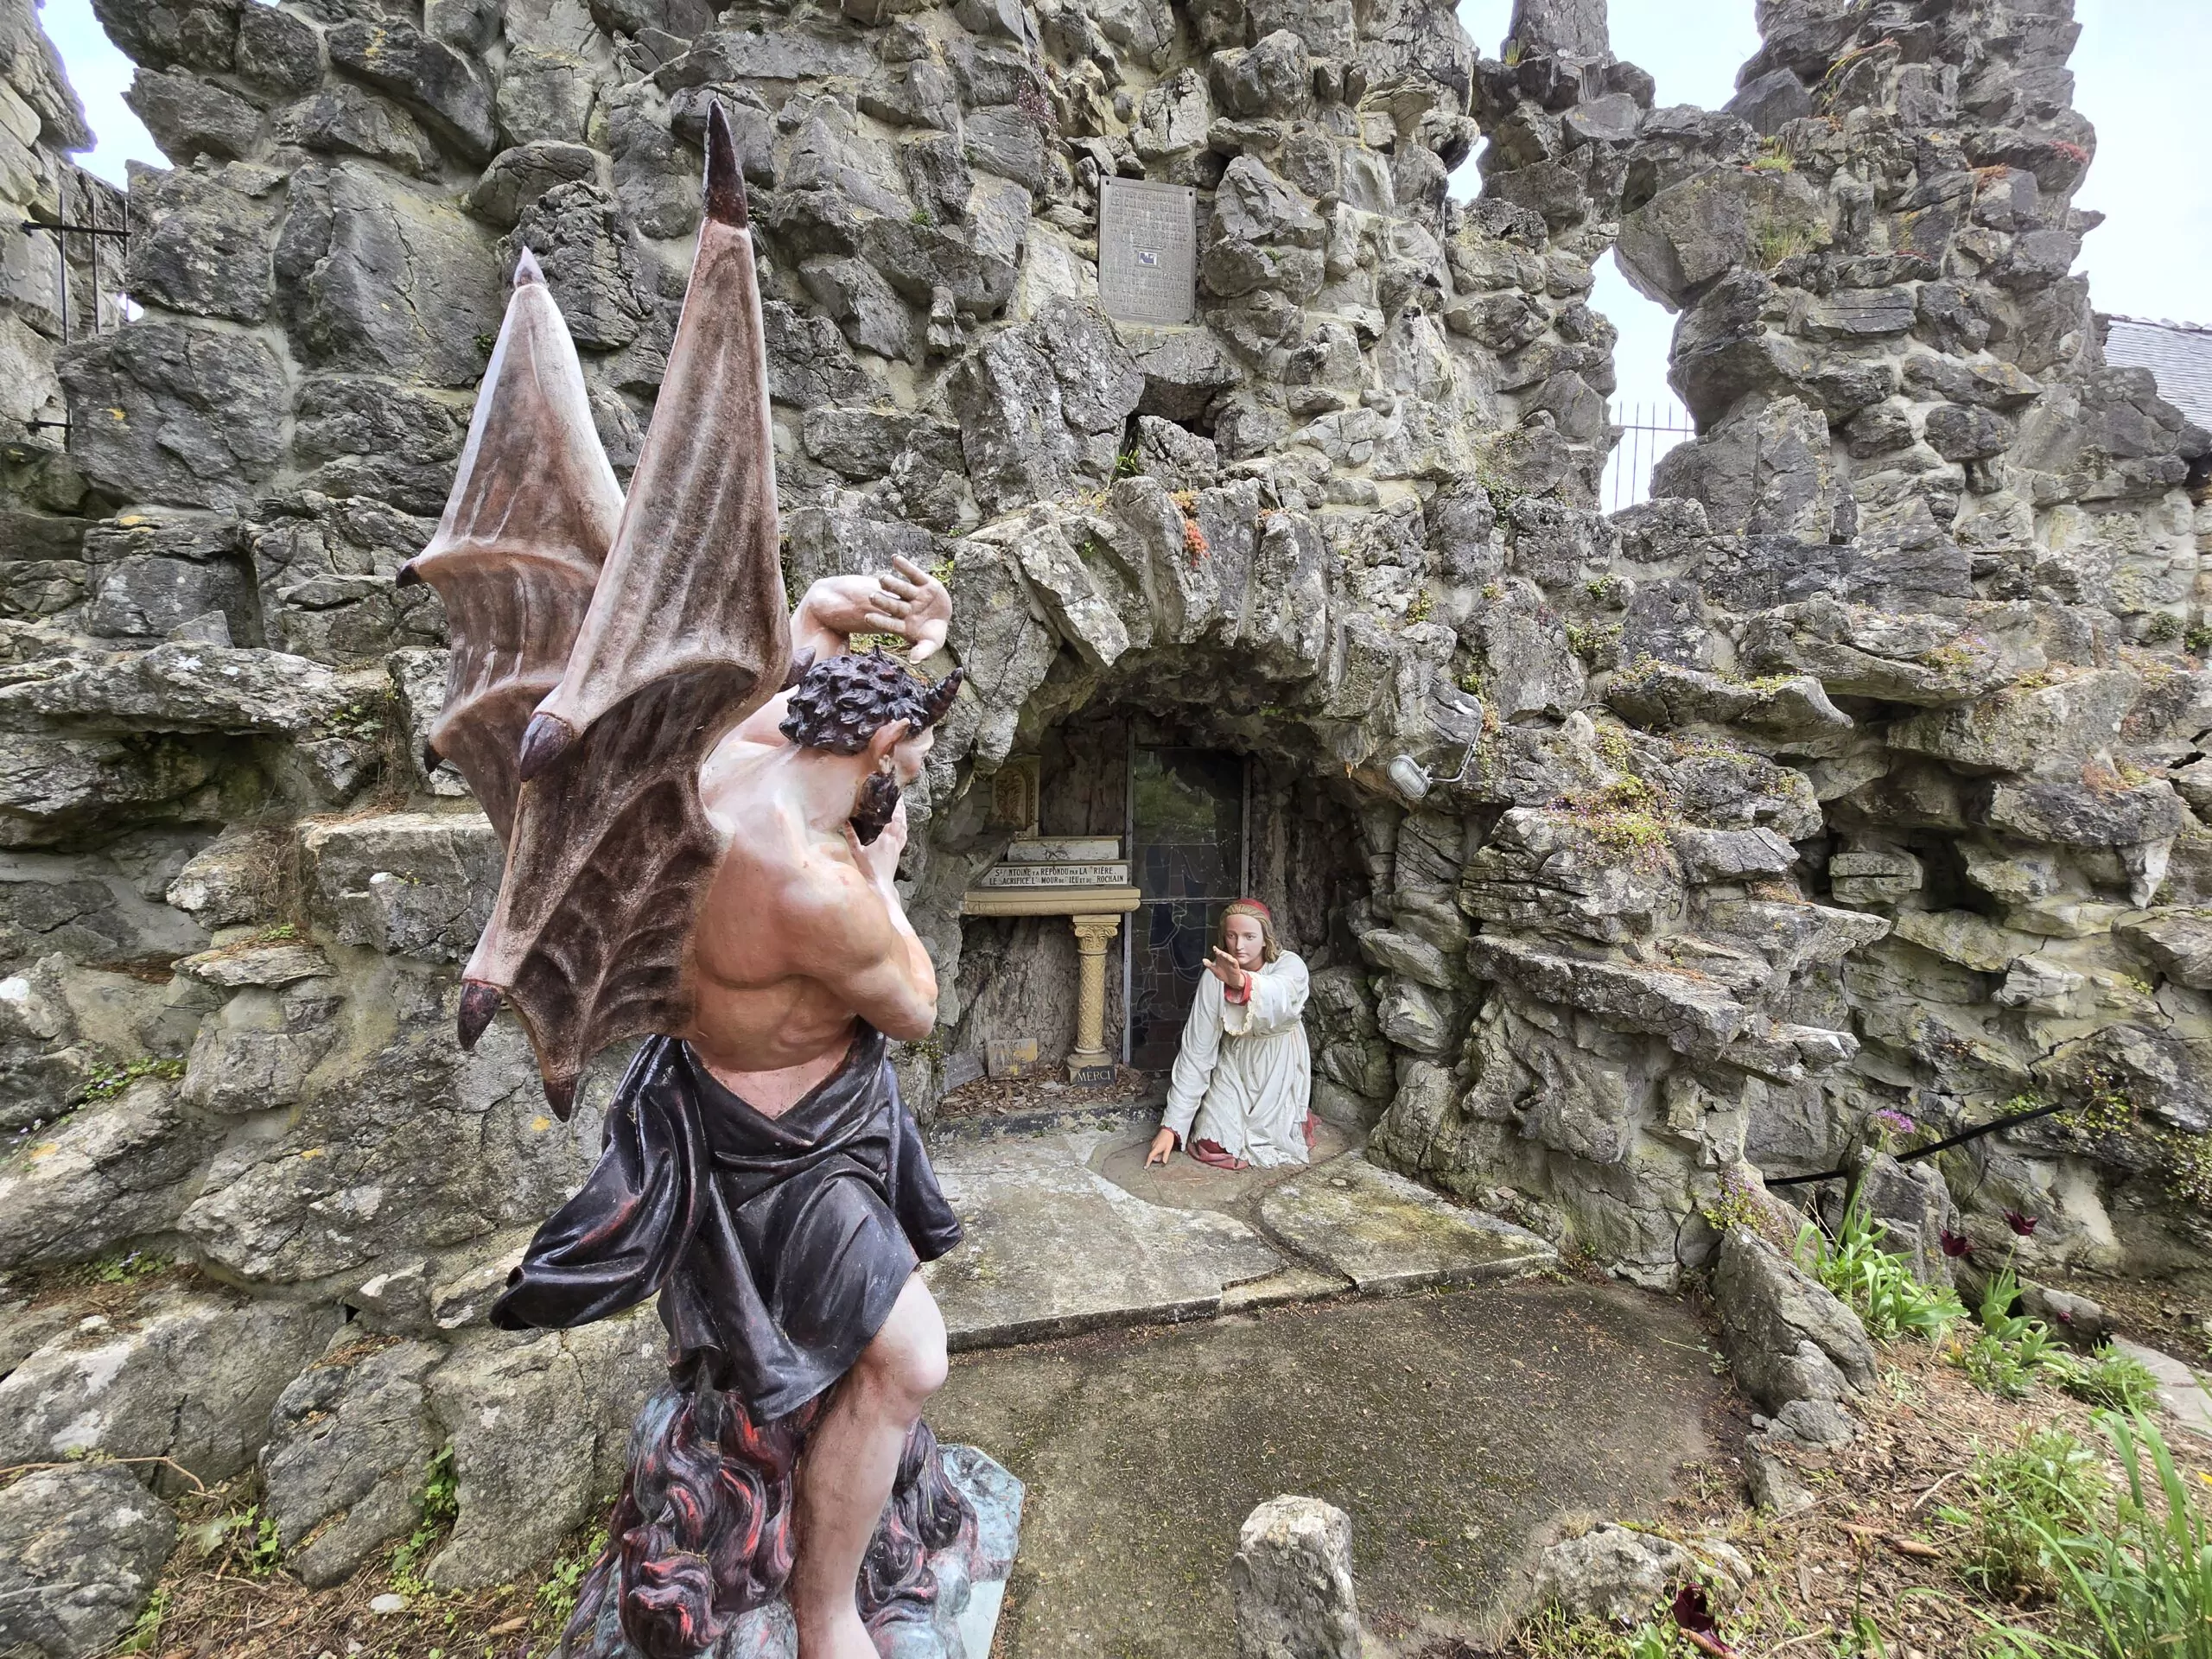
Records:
x=1388, y=1235
x=1056, y=1244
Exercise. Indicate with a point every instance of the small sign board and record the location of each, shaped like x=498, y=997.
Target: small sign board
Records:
x=1004, y=876
x=1148, y=250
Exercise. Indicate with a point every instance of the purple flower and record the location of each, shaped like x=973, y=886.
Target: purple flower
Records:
x=1894, y=1122
x=1693, y=1612
x=2023, y=1225
x=1956, y=1244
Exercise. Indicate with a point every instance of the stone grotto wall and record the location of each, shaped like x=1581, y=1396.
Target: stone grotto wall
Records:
x=1857, y=770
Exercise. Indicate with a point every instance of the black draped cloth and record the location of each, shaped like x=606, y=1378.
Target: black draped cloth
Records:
x=777, y=1245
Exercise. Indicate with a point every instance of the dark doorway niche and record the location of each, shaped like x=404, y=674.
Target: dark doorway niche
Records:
x=1231, y=818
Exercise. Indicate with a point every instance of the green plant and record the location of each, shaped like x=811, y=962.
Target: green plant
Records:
x=1738, y=1204
x=2198, y=639
x=2108, y=1379
x=146, y=1635
x=436, y=1508
x=2047, y=1483
x=121, y=1270
x=1550, y=1634
x=1421, y=609
x=1773, y=157
x=1881, y=1285
x=2006, y=1370
x=2147, y=1583
x=106, y=1079
x=1772, y=244
x=557, y=1595
x=2013, y=1350
x=2140, y=1586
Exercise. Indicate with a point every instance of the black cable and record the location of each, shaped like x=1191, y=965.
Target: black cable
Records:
x=1958, y=1139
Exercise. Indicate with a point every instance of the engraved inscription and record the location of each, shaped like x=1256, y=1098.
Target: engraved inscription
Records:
x=1147, y=251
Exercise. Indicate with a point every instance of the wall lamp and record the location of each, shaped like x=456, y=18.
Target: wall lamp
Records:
x=1414, y=781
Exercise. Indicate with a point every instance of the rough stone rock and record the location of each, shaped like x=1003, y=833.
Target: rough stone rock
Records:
x=1925, y=660
x=1695, y=1016
x=80, y=1548
x=1385, y=1233
x=2077, y=815
x=1663, y=693
x=202, y=243
x=1290, y=1583
x=190, y=415
x=349, y=1443
x=2049, y=728
x=2178, y=941
x=1821, y=1424
x=184, y=688
x=343, y=120
x=377, y=276
x=232, y=880
x=430, y=78
x=188, y=1375
x=1913, y=1204
x=539, y=1431
x=1029, y=1265
x=105, y=1174
x=410, y=884
x=1773, y=1484
x=1619, y=1575
x=190, y=118
x=276, y=50
x=1786, y=1338
x=53, y=789
x=154, y=573
x=520, y=175
x=407, y=1146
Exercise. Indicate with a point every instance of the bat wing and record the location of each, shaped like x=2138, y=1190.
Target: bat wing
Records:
x=533, y=513
x=688, y=632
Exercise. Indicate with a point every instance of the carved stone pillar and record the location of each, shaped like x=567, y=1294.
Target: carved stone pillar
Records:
x=1091, y=1063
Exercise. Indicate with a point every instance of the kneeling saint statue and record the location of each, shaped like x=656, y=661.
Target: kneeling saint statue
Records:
x=1243, y=1077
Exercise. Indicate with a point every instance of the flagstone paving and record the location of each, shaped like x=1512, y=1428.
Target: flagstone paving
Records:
x=1069, y=1231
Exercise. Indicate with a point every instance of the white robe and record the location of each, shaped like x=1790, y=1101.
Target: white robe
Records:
x=1242, y=1076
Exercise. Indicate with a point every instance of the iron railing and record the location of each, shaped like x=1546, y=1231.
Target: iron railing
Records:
x=1646, y=431
x=90, y=233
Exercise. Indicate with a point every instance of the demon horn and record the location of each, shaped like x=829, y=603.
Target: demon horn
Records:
x=937, y=701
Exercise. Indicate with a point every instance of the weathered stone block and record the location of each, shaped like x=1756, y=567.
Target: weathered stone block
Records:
x=1290, y=1583
x=188, y=1375
x=80, y=1548
x=349, y=1444
x=176, y=413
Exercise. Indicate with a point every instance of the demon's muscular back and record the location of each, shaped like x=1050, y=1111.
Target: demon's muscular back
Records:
x=803, y=930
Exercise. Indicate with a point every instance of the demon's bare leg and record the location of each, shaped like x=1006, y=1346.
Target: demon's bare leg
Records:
x=844, y=1477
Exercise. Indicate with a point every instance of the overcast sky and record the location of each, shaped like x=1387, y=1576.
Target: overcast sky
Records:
x=2138, y=78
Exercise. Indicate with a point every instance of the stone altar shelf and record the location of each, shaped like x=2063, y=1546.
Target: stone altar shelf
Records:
x=1040, y=877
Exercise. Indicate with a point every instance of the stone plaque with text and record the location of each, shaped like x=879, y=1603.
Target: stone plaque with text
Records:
x=1147, y=251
